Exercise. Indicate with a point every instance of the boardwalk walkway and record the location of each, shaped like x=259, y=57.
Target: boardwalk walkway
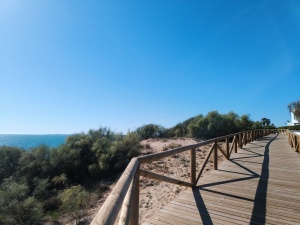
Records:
x=259, y=185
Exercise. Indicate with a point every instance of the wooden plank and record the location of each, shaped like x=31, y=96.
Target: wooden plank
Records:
x=228, y=212
x=238, y=204
x=156, y=176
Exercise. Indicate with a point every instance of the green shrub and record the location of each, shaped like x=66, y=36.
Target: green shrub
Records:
x=150, y=131
x=74, y=201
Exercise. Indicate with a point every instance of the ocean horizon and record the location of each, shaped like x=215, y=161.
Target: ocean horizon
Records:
x=28, y=141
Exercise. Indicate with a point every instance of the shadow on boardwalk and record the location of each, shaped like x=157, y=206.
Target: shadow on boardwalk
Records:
x=258, y=215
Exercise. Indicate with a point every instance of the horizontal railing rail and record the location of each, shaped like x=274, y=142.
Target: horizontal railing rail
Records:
x=294, y=140
x=124, y=198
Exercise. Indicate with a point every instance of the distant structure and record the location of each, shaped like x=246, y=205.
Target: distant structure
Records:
x=293, y=121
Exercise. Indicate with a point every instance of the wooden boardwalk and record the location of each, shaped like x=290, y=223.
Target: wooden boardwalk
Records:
x=258, y=185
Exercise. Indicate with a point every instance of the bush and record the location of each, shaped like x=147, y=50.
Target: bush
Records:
x=74, y=201
x=150, y=131
x=296, y=127
x=9, y=161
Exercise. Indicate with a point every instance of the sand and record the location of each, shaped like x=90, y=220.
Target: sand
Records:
x=155, y=194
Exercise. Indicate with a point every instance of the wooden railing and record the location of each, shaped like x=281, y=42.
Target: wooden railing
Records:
x=294, y=140
x=124, y=198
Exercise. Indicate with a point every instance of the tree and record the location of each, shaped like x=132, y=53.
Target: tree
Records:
x=265, y=122
x=245, y=123
x=294, y=107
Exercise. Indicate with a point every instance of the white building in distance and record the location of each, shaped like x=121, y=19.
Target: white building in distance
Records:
x=293, y=121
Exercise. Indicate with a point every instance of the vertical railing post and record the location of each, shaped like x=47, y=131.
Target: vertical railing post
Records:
x=248, y=137
x=298, y=144
x=235, y=144
x=215, y=158
x=290, y=140
x=193, y=166
x=134, y=215
x=227, y=147
x=295, y=143
x=240, y=141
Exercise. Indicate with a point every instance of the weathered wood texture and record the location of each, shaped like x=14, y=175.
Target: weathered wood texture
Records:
x=260, y=184
x=111, y=207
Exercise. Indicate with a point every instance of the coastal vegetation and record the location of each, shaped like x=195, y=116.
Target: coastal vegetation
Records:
x=212, y=125
x=42, y=184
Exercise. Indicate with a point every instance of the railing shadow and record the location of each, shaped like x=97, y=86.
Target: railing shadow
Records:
x=203, y=212
x=260, y=200
x=259, y=208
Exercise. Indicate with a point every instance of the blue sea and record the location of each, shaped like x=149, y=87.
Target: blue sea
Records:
x=28, y=141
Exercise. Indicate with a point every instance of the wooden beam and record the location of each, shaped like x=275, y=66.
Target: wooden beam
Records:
x=159, y=177
x=296, y=143
x=221, y=150
x=232, y=145
x=193, y=166
x=110, y=208
x=244, y=141
x=204, y=163
x=215, y=159
x=240, y=141
x=227, y=148
x=135, y=211
x=235, y=144
x=126, y=207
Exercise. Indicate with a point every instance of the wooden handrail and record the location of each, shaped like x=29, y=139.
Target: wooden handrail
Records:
x=111, y=207
x=294, y=140
x=128, y=184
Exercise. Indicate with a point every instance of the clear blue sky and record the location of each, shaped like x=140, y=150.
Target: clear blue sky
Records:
x=68, y=66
